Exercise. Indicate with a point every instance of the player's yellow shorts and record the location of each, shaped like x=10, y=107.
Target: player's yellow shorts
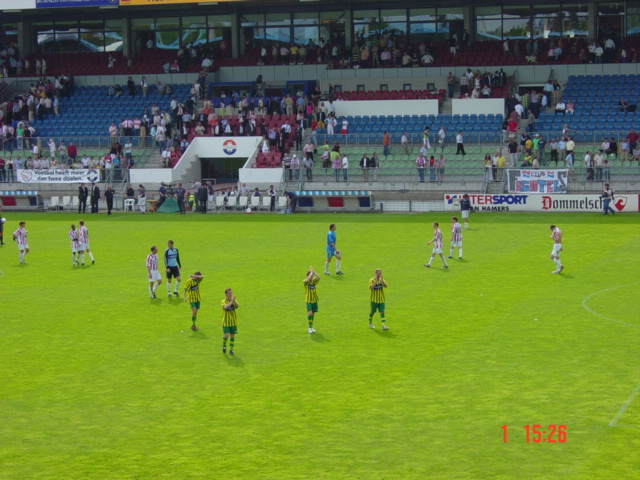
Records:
x=312, y=307
x=377, y=306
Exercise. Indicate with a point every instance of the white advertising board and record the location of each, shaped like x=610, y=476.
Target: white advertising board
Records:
x=510, y=202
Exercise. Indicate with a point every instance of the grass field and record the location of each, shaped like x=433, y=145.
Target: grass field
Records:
x=100, y=382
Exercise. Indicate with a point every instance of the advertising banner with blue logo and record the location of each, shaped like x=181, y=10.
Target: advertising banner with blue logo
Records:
x=76, y=3
x=55, y=175
x=537, y=180
x=542, y=203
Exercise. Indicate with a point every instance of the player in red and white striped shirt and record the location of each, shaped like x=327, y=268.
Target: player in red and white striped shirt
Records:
x=84, y=242
x=456, y=238
x=20, y=237
x=74, y=236
x=152, y=268
x=437, y=246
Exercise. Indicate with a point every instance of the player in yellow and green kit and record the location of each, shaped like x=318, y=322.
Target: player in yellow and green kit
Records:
x=377, y=286
x=311, y=296
x=229, y=320
x=192, y=293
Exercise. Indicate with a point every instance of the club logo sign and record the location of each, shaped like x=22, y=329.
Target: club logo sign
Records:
x=620, y=203
x=229, y=147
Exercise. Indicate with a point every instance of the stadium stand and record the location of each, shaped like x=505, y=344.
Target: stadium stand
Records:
x=602, y=115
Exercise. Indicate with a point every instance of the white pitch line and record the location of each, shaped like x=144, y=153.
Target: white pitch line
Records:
x=586, y=307
x=623, y=408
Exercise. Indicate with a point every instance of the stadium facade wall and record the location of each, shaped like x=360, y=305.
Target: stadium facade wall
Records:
x=468, y=106
x=392, y=107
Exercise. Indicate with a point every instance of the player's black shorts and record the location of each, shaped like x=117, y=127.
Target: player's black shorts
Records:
x=173, y=272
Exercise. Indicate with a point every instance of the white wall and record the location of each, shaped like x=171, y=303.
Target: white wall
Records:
x=150, y=175
x=462, y=106
x=257, y=176
x=387, y=107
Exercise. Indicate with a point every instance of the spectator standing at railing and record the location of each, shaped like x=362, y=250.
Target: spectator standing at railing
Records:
x=624, y=150
x=10, y=169
x=612, y=152
x=345, y=168
x=588, y=163
x=404, y=141
x=52, y=148
x=421, y=163
x=598, y=160
x=386, y=142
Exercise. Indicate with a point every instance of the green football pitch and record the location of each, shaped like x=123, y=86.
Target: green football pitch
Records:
x=98, y=381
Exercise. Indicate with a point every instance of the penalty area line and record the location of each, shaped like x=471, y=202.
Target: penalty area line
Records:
x=623, y=408
x=586, y=307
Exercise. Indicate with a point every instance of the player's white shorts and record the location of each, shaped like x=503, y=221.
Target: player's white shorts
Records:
x=23, y=246
x=465, y=213
x=83, y=247
x=456, y=244
x=154, y=276
x=557, y=248
x=75, y=249
x=436, y=250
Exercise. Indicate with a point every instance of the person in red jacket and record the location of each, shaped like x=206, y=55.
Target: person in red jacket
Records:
x=73, y=152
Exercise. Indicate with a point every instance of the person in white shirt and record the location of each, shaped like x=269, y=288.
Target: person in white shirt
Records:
x=460, y=144
x=519, y=109
x=599, y=163
x=442, y=135
x=598, y=52
x=427, y=59
x=588, y=163
x=331, y=123
x=404, y=141
x=52, y=148
x=166, y=157
x=345, y=168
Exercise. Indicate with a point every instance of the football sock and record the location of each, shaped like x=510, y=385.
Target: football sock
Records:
x=310, y=318
x=451, y=252
x=193, y=319
x=150, y=289
x=82, y=258
x=382, y=319
x=91, y=256
x=168, y=287
x=155, y=285
x=466, y=225
x=224, y=342
x=175, y=289
x=231, y=342
x=443, y=260
x=337, y=266
x=371, y=317
x=326, y=267
x=73, y=258
x=430, y=260
x=460, y=253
